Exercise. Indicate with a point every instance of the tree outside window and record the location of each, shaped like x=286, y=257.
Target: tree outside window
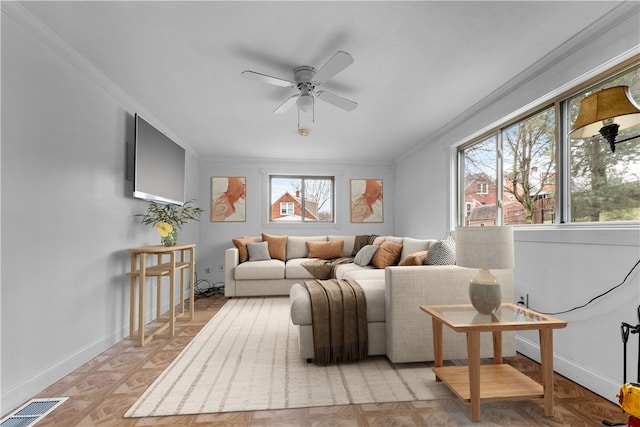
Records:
x=529, y=164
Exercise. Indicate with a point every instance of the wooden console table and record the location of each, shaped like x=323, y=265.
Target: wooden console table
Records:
x=499, y=381
x=168, y=260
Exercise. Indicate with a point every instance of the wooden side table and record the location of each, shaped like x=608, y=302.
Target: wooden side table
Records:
x=169, y=260
x=499, y=381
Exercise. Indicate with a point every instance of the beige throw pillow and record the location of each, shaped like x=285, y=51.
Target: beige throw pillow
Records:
x=277, y=246
x=387, y=254
x=326, y=250
x=241, y=244
x=416, y=258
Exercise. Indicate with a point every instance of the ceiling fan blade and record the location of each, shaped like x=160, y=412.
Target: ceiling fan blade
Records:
x=338, y=101
x=252, y=75
x=287, y=104
x=337, y=63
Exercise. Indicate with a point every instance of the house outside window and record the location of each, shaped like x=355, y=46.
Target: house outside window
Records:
x=519, y=162
x=301, y=198
x=482, y=188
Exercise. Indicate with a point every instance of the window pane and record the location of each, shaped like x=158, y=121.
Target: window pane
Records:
x=605, y=186
x=318, y=199
x=479, y=170
x=301, y=199
x=529, y=164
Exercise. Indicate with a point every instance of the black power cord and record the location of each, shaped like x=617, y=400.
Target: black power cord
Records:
x=204, y=288
x=592, y=299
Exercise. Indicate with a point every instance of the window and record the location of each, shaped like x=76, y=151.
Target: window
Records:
x=286, y=208
x=605, y=186
x=478, y=168
x=512, y=175
x=301, y=198
x=529, y=169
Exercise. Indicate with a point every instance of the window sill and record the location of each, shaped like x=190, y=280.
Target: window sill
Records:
x=618, y=234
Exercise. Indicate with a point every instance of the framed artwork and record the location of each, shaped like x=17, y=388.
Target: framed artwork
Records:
x=228, y=199
x=366, y=200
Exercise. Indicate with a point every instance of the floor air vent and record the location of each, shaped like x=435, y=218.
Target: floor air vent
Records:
x=31, y=412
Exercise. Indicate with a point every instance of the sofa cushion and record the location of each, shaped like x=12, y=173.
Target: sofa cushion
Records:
x=295, y=270
x=379, y=239
x=364, y=274
x=271, y=269
x=416, y=258
x=349, y=241
x=326, y=250
x=443, y=252
x=241, y=244
x=411, y=246
x=387, y=254
x=258, y=251
x=364, y=255
x=277, y=246
x=297, y=245
x=301, y=304
x=342, y=269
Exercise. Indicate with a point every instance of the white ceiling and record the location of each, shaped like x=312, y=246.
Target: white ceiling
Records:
x=418, y=65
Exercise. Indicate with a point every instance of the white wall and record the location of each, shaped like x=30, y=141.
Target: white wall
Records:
x=216, y=236
x=67, y=215
x=558, y=267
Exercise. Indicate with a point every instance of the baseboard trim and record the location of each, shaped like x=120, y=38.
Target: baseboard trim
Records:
x=602, y=385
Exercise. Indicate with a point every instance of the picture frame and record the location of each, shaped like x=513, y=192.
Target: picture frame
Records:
x=366, y=200
x=228, y=199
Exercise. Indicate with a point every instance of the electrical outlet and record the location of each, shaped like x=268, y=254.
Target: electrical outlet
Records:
x=220, y=267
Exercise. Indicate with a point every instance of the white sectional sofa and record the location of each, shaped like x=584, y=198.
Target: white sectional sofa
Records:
x=397, y=327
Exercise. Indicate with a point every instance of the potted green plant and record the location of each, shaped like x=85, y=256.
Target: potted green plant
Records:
x=169, y=218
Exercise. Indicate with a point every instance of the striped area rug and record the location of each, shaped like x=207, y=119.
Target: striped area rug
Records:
x=246, y=359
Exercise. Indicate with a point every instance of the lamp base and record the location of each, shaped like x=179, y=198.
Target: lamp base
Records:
x=485, y=292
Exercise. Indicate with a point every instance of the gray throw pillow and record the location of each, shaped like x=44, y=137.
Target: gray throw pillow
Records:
x=364, y=255
x=258, y=251
x=442, y=252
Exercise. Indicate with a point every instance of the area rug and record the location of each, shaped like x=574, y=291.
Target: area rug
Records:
x=246, y=359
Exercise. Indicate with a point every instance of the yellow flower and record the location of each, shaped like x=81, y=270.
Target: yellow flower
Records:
x=164, y=229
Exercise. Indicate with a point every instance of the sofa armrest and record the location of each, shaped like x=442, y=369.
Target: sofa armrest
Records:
x=409, y=330
x=231, y=261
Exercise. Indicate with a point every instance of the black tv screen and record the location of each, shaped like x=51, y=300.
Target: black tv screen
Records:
x=159, y=170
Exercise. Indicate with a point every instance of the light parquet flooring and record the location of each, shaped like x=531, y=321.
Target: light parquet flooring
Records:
x=102, y=390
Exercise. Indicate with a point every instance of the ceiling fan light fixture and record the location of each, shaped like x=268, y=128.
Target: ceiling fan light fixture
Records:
x=305, y=102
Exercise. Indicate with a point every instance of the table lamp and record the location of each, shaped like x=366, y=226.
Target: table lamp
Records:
x=485, y=248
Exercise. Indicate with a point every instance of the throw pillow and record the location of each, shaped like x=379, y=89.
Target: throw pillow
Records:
x=364, y=255
x=326, y=250
x=277, y=246
x=387, y=254
x=241, y=244
x=258, y=251
x=416, y=258
x=442, y=252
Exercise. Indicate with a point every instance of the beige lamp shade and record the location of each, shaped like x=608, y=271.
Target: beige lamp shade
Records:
x=485, y=247
x=613, y=105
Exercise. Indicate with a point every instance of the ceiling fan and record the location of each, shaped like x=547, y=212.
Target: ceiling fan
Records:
x=306, y=79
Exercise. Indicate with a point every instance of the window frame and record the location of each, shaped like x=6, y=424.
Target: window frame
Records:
x=302, y=177
x=560, y=103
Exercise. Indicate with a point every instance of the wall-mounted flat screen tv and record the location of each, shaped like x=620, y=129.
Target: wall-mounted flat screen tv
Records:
x=159, y=169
